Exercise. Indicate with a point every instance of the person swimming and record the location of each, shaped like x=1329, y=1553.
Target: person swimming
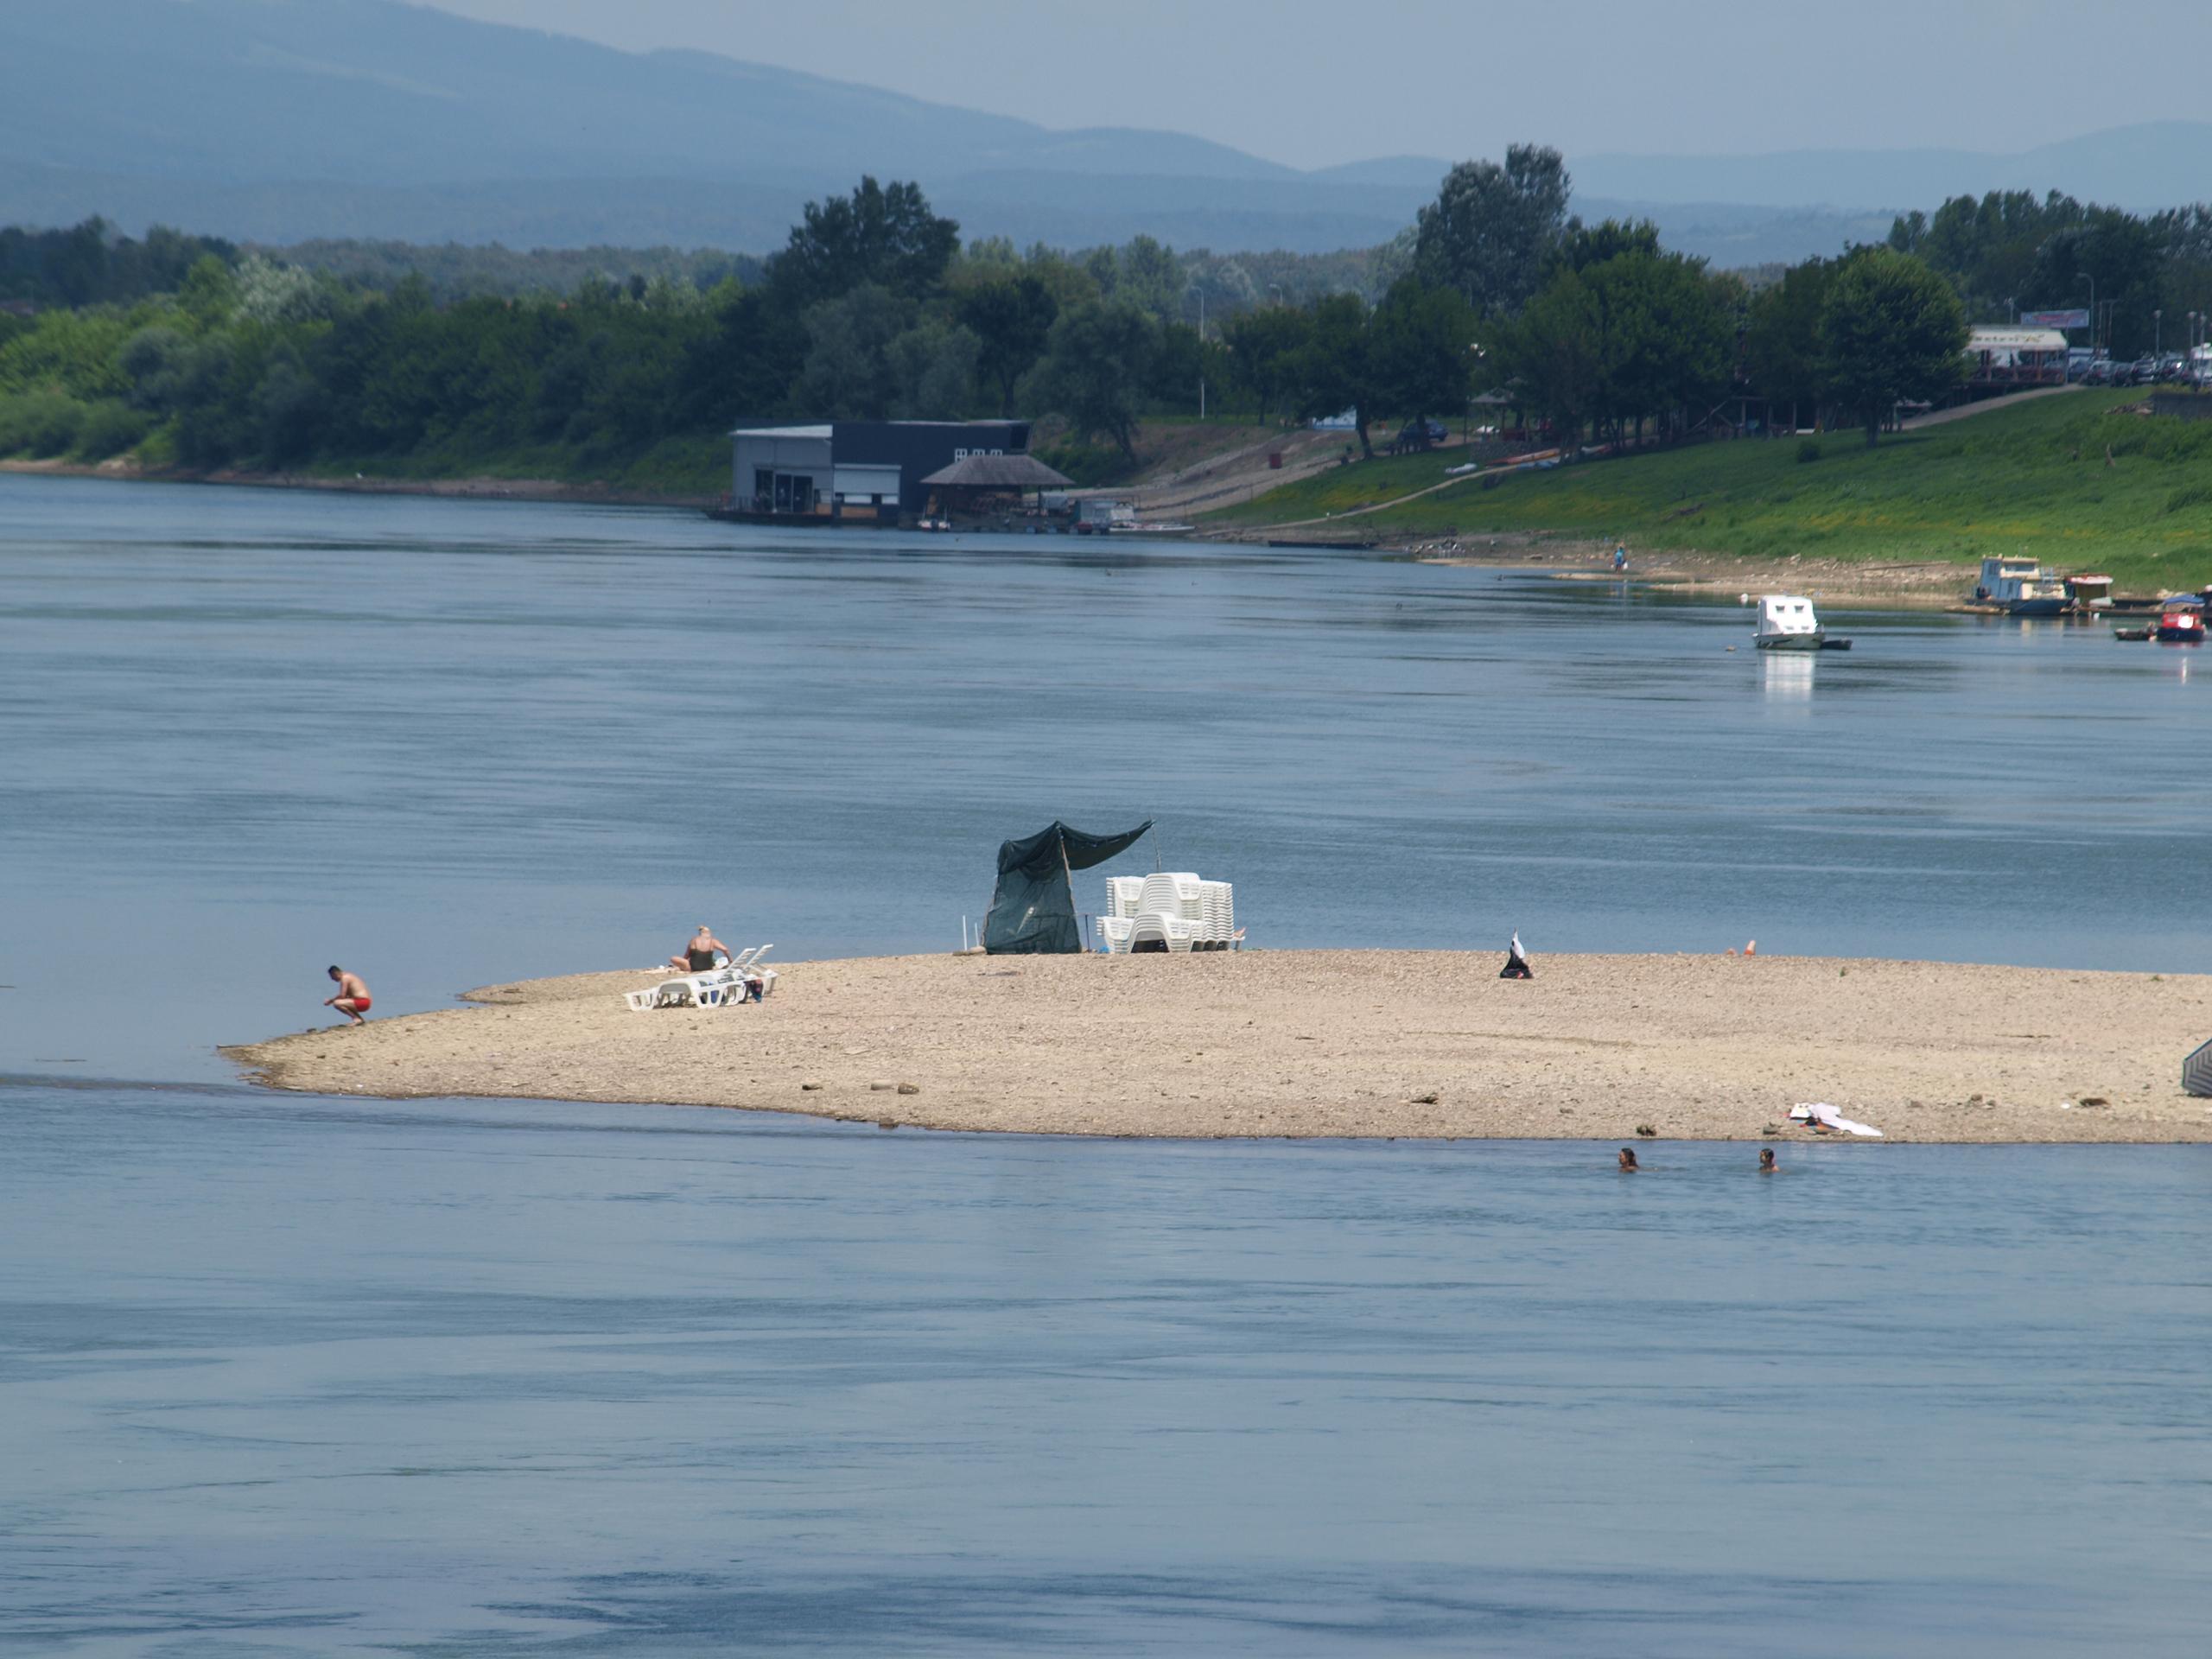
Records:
x=1767, y=1165
x=1629, y=1165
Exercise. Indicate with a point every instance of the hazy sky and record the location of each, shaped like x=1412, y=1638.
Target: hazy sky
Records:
x=1311, y=82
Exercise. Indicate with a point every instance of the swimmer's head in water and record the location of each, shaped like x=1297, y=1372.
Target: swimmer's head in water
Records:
x=1766, y=1157
x=1628, y=1159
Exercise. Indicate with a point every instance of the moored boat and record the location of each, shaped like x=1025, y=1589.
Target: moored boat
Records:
x=2089, y=593
x=1787, y=622
x=2019, y=587
x=2181, y=625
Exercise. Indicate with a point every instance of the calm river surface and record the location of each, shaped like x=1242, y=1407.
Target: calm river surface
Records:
x=286, y=1375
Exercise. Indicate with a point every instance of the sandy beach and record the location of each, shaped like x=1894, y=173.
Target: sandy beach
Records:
x=1333, y=1043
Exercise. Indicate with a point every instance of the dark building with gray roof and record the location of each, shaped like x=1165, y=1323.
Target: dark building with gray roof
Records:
x=855, y=472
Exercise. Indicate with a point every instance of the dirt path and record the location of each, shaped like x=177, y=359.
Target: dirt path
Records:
x=1943, y=416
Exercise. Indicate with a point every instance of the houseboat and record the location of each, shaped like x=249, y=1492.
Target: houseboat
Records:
x=1787, y=622
x=2019, y=587
x=2089, y=592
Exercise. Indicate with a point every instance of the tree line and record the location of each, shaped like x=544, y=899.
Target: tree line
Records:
x=205, y=354
x=2011, y=250
x=202, y=353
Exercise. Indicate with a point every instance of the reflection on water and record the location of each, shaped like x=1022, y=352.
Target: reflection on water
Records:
x=293, y=1376
x=1789, y=675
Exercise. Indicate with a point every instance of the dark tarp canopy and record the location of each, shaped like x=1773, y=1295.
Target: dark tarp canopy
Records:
x=1033, y=912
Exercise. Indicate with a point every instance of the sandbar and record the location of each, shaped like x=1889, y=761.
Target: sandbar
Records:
x=1333, y=1043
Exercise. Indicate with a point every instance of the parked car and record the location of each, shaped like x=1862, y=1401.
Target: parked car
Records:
x=1418, y=433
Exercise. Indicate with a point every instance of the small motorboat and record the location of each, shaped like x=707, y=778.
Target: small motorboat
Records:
x=1787, y=622
x=2181, y=625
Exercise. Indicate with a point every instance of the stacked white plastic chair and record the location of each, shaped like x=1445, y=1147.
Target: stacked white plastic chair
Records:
x=1219, y=911
x=1117, y=922
x=1173, y=910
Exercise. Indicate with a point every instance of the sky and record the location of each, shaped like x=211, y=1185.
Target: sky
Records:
x=1314, y=82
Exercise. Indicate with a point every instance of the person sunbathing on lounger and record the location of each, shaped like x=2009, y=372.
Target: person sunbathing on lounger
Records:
x=698, y=957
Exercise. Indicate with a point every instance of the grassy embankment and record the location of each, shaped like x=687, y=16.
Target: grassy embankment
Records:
x=2031, y=478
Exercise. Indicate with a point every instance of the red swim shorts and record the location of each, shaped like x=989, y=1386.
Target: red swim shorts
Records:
x=360, y=1003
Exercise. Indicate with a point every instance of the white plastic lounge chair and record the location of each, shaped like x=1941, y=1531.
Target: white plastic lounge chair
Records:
x=1170, y=932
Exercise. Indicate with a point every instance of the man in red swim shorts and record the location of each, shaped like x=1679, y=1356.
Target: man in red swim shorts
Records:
x=352, y=998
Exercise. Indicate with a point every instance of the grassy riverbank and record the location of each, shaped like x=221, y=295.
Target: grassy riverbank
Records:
x=2033, y=477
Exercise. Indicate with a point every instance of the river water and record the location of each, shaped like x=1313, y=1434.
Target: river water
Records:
x=285, y=1375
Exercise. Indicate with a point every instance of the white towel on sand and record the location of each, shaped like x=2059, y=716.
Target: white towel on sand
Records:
x=1822, y=1112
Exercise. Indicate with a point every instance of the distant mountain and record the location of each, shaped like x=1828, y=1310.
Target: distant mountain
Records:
x=275, y=120
x=369, y=91
x=2159, y=164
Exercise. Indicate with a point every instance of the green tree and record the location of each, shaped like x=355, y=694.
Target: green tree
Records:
x=1584, y=245
x=1551, y=354
x=849, y=373
x=1011, y=317
x=1669, y=339
x=1782, y=342
x=885, y=236
x=1421, y=350
x=1492, y=229
x=1094, y=367
x=1987, y=247
x=1890, y=329
x=2124, y=255
x=933, y=367
x=1262, y=347
x=1330, y=373
x=1147, y=274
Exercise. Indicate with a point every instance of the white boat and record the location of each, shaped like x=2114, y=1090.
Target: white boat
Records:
x=1787, y=622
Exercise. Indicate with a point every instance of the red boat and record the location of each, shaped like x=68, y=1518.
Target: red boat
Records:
x=2181, y=627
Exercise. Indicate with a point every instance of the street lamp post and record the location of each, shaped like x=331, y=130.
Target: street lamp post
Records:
x=2158, y=337
x=1201, y=293
x=2084, y=276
